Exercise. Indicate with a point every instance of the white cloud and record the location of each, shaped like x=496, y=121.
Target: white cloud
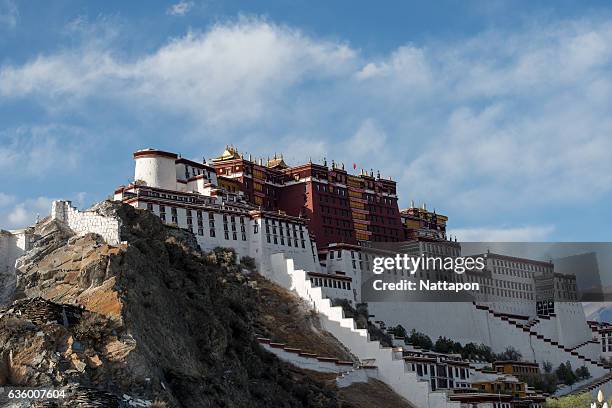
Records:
x=368, y=138
x=518, y=234
x=407, y=66
x=24, y=213
x=180, y=9
x=40, y=151
x=9, y=14
x=502, y=121
x=232, y=73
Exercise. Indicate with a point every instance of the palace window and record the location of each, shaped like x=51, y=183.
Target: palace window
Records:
x=212, y=232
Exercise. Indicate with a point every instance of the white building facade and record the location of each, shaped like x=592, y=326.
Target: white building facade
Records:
x=185, y=194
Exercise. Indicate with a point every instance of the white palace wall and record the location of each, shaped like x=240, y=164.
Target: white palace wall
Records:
x=84, y=222
x=463, y=322
x=13, y=245
x=255, y=245
x=6, y=244
x=391, y=369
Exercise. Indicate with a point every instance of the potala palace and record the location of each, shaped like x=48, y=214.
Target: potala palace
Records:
x=315, y=229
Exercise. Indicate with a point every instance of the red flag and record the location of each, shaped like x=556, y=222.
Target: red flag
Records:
x=354, y=166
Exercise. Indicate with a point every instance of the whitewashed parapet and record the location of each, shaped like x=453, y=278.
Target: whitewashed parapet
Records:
x=84, y=222
x=305, y=360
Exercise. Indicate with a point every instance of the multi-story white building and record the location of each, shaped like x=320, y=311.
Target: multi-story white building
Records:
x=185, y=193
x=442, y=371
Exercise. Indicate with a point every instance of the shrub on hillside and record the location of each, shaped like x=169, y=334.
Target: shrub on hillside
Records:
x=510, y=354
x=225, y=257
x=419, y=339
x=248, y=263
x=361, y=317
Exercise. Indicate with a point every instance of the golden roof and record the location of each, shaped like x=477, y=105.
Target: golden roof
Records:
x=276, y=163
x=230, y=153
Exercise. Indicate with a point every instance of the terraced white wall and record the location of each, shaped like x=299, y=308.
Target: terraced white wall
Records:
x=307, y=363
x=390, y=369
x=462, y=322
x=571, y=323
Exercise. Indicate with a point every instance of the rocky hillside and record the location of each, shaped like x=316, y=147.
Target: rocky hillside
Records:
x=159, y=321
x=155, y=320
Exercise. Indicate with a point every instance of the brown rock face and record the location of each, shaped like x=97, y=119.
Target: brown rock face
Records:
x=152, y=318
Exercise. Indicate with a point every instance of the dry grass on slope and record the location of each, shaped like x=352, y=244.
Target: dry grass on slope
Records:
x=285, y=318
x=374, y=393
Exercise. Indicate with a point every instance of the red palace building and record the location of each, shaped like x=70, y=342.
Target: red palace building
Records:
x=341, y=207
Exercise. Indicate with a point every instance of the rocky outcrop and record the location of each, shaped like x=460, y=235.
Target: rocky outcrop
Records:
x=149, y=319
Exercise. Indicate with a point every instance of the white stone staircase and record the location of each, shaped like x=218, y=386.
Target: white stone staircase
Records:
x=391, y=367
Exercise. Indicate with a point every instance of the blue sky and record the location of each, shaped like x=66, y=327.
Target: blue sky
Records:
x=494, y=113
